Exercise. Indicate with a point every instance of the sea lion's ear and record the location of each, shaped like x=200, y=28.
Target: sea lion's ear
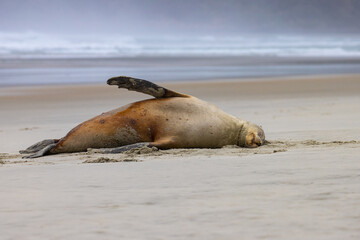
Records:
x=143, y=86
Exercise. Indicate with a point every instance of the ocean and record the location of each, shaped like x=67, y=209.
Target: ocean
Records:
x=37, y=45
x=31, y=58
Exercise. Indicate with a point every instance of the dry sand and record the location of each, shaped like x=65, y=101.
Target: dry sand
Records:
x=305, y=184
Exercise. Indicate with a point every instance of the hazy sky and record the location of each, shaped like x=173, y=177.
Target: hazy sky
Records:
x=181, y=18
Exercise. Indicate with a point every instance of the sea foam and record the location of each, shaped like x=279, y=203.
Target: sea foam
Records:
x=39, y=45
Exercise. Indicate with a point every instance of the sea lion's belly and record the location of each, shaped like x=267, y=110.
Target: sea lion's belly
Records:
x=116, y=128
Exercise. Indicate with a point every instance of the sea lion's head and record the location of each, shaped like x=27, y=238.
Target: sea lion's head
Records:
x=251, y=136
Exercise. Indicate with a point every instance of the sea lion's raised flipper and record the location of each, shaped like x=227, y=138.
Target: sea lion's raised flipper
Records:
x=143, y=86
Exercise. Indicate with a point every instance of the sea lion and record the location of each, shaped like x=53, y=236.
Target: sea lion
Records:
x=170, y=120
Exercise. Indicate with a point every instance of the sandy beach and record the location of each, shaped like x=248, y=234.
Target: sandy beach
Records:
x=305, y=184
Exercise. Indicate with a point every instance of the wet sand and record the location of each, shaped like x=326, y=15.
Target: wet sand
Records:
x=305, y=184
x=50, y=71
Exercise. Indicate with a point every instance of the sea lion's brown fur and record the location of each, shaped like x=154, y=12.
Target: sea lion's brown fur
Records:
x=173, y=121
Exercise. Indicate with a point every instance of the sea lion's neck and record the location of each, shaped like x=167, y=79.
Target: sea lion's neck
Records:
x=242, y=129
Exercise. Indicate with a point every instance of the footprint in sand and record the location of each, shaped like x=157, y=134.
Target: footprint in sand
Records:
x=28, y=128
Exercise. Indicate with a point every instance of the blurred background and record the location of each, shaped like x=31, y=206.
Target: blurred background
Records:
x=87, y=41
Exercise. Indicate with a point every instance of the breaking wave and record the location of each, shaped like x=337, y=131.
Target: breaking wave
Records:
x=38, y=45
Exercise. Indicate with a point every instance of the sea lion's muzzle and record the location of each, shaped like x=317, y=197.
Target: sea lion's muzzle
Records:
x=254, y=139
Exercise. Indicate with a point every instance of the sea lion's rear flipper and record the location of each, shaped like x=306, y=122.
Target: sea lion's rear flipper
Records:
x=42, y=152
x=143, y=86
x=38, y=146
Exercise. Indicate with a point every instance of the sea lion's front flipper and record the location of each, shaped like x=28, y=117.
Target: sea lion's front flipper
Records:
x=143, y=86
x=165, y=143
x=122, y=148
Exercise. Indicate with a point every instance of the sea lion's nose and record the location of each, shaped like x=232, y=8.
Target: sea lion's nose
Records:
x=258, y=141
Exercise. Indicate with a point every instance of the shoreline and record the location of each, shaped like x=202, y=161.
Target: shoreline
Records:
x=93, y=75
x=198, y=60
x=51, y=71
